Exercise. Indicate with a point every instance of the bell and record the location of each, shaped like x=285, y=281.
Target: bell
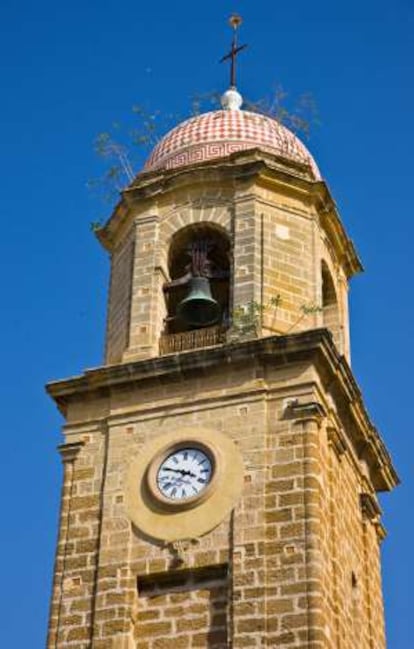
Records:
x=199, y=308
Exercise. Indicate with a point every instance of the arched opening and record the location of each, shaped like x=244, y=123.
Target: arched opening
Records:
x=197, y=294
x=330, y=308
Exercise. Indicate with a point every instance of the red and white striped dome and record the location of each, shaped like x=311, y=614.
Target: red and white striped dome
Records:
x=219, y=133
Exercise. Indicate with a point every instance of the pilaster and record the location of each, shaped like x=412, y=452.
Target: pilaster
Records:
x=147, y=293
x=69, y=453
x=308, y=418
x=115, y=586
x=247, y=283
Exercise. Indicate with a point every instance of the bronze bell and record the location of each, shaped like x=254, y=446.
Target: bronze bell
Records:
x=199, y=308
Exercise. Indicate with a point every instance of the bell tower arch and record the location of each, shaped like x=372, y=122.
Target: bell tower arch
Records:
x=330, y=303
x=198, y=291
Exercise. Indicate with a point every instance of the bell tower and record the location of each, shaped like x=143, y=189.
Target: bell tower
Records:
x=220, y=468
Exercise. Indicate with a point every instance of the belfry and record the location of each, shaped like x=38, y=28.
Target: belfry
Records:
x=220, y=468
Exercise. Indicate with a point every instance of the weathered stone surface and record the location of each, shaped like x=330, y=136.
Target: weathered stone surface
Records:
x=295, y=561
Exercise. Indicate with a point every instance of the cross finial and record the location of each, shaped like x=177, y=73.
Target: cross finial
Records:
x=235, y=21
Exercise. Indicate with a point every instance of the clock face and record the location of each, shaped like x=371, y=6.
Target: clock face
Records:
x=185, y=473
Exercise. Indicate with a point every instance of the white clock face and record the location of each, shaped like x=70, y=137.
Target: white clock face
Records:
x=184, y=474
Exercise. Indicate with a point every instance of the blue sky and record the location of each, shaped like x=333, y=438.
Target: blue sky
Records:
x=67, y=72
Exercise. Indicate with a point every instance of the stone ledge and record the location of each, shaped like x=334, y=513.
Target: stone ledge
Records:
x=314, y=346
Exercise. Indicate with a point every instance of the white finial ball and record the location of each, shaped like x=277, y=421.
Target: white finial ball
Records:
x=231, y=100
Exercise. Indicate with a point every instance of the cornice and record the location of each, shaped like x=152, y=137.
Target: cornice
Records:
x=241, y=168
x=314, y=346
x=331, y=223
x=70, y=451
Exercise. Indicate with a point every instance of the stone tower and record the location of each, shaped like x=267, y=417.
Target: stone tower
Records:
x=220, y=468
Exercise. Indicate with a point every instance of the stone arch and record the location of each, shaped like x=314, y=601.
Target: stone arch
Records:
x=192, y=214
x=330, y=303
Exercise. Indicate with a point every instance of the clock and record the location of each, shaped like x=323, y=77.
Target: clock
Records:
x=185, y=473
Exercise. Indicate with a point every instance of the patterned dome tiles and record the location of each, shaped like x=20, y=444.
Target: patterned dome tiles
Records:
x=219, y=133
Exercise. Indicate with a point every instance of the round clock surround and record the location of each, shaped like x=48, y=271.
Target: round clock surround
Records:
x=165, y=520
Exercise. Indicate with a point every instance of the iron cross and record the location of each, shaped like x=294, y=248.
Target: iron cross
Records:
x=235, y=22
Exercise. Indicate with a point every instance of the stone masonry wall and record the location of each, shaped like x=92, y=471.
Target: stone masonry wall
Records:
x=301, y=563
x=77, y=555
x=288, y=269
x=192, y=615
x=277, y=250
x=352, y=581
x=119, y=301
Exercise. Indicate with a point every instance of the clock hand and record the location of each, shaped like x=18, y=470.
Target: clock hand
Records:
x=183, y=472
x=175, y=480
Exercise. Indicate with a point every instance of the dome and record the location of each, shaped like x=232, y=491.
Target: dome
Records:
x=219, y=133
